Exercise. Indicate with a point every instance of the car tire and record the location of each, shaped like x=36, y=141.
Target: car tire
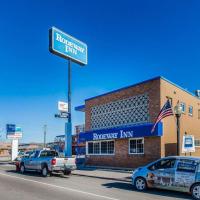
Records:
x=67, y=172
x=195, y=191
x=22, y=169
x=140, y=184
x=44, y=171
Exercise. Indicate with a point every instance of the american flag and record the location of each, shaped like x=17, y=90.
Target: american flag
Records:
x=165, y=112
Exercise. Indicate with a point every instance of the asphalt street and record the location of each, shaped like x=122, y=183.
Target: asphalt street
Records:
x=31, y=186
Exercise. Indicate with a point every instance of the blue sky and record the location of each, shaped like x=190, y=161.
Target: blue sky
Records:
x=128, y=42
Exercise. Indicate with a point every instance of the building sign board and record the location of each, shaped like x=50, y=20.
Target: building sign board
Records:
x=188, y=144
x=142, y=130
x=13, y=131
x=66, y=46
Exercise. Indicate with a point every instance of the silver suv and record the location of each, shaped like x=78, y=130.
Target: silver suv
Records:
x=171, y=173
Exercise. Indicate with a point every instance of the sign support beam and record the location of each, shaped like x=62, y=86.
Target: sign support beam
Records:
x=68, y=126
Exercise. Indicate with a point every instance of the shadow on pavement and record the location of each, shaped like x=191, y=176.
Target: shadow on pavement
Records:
x=33, y=173
x=159, y=192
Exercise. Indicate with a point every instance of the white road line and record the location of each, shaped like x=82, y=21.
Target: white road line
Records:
x=60, y=187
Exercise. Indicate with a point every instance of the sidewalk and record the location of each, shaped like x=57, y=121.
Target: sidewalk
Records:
x=5, y=158
x=109, y=174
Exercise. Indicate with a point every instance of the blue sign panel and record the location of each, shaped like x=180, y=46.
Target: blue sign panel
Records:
x=10, y=128
x=66, y=46
x=142, y=130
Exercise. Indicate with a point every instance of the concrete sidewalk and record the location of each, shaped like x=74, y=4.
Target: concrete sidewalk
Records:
x=109, y=174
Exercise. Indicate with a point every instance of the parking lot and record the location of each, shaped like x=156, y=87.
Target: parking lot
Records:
x=16, y=186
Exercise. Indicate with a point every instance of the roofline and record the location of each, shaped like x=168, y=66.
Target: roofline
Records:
x=123, y=88
x=192, y=94
x=142, y=82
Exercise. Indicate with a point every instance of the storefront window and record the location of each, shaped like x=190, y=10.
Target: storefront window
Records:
x=101, y=148
x=90, y=148
x=104, y=147
x=96, y=147
x=111, y=147
x=136, y=146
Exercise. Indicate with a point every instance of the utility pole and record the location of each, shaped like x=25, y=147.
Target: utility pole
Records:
x=45, y=134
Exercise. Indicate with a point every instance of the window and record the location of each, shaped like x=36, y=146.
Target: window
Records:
x=190, y=110
x=96, y=147
x=183, y=106
x=136, y=146
x=101, y=148
x=197, y=143
x=52, y=153
x=185, y=165
x=163, y=164
x=111, y=147
x=43, y=154
x=90, y=147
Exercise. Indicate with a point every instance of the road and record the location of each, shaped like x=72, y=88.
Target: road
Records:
x=31, y=186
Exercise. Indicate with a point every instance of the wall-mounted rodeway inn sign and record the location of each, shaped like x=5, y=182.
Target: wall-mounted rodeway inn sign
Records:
x=66, y=46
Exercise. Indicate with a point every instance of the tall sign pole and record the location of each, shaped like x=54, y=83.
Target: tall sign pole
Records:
x=68, y=125
x=73, y=50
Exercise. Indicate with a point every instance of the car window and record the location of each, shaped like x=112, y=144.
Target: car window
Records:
x=43, y=154
x=32, y=155
x=163, y=164
x=52, y=153
x=186, y=165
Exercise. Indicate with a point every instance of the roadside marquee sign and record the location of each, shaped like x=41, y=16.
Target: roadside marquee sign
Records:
x=13, y=131
x=188, y=144
x=66, y=46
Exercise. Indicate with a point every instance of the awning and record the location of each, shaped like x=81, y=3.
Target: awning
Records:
x=142, y=130
x=80, y=108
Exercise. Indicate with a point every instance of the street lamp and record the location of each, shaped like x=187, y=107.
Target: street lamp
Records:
x=178, y=112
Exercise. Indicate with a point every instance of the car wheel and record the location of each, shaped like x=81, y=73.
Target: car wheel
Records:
x=195, y=190
x=22, y=169
x=140, y=184
x=67, y=172
x=44, y=171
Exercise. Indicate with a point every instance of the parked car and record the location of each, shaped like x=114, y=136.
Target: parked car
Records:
x=171, y=173
x=46, y=162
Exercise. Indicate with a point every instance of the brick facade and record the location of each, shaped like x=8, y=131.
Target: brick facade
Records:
x=122, y=158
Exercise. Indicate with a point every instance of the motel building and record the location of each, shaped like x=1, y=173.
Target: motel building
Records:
x=118, y=124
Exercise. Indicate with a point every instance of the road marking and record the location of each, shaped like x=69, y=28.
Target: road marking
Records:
x=60, y=187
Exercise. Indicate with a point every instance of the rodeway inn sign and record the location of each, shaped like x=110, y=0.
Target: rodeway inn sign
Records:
x=142, y=130
x=67, y=46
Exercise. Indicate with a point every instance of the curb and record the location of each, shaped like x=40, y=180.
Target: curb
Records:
x=105, y=178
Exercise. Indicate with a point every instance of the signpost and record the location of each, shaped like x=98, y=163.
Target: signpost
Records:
x=188, y=144
x=68, y=47
x=14, y=133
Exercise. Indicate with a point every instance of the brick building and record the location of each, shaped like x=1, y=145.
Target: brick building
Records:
x=118, y=124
